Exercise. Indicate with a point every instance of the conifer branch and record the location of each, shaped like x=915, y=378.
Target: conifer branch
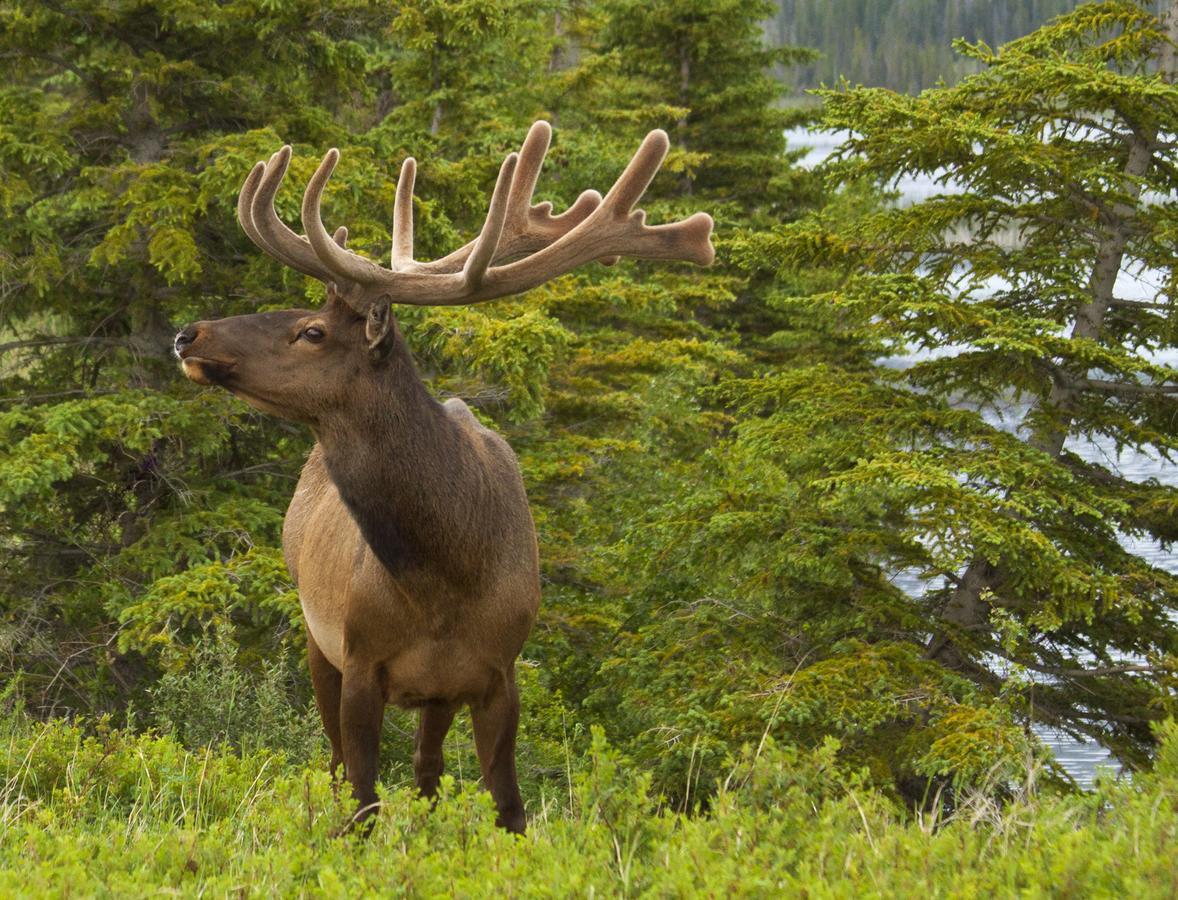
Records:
x=1139, y=304
x=59, y=341
x=1128, y=388
x=1089, y=672
x=1101, y=671
x=45, y=57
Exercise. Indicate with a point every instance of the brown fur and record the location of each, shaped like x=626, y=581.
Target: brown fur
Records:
x=409, y=538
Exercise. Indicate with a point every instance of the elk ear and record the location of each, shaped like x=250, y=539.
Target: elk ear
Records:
x=334, y=295
x=380, y=329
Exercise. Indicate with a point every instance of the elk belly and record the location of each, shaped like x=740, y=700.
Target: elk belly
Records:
x=326, y=627
x=325, y=561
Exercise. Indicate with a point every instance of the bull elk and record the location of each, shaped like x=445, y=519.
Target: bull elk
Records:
x=409, y=535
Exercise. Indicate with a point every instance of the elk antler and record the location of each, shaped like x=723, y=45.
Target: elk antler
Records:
x=489, y=266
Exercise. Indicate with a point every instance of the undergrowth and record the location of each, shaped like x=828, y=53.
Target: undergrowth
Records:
x=103, y=812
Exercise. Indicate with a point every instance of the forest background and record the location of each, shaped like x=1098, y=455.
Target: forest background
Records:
x=905, y=45
x=727, y=469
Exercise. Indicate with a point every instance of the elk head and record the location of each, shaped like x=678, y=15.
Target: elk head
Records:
x=302, y=364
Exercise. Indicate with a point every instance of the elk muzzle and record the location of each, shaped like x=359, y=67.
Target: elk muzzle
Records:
x=190, y=350
x=184, y=339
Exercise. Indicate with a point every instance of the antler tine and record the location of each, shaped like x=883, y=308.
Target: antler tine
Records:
x=245, y=199
x=403, y=214
x=340, y=262
x=533, y=227
x=522, y=217
x=527, y=172
x=639, y=173
x=632, y=184
x=488, y=240
x=688, y=240
x=255, y=211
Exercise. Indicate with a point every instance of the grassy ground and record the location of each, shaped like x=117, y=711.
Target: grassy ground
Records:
x=107, y=813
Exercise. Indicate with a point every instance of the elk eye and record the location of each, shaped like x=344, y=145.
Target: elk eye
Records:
x=312, y=334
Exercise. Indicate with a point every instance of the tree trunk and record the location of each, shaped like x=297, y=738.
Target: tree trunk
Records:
x=435, y=124
x=968, y=609
x=150, y=339
x=556, y=59
x=681, y=126
x=145, y=140
x=150, y=342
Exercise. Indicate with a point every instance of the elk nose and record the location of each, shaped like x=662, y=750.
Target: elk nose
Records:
x=184, y=340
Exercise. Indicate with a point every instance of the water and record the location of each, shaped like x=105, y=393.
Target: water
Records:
x=1080, y=758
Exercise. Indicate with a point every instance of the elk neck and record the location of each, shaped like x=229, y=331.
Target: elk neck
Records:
x=402, y=467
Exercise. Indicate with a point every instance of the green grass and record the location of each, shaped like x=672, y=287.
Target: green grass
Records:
x=110, y=813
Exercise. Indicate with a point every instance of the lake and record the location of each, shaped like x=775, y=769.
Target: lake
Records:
x=1080, y=758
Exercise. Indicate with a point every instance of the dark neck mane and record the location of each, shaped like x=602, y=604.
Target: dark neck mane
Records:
x=407, y=474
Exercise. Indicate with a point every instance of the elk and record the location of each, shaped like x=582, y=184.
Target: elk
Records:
x=409, y=535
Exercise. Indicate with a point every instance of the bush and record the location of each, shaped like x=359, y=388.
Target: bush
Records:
x=213, y=700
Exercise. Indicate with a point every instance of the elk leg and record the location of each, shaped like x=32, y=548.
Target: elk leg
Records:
x=326, y=679
x=361, y=716
x=428, y=763
x=496, y=720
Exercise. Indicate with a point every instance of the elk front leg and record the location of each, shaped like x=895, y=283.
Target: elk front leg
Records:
x=361, y=716
x=496, y=720
x=428, y=763
x=326, y=680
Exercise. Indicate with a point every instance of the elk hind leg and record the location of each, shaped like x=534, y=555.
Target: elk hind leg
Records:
x=496, y=721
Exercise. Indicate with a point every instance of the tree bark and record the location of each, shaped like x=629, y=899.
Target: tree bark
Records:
x=435, y=124
x=146, y=141
x=556, y=58
x=151, y=334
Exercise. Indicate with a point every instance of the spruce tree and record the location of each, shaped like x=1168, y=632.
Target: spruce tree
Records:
x=710, y=62
x=1058, y=174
